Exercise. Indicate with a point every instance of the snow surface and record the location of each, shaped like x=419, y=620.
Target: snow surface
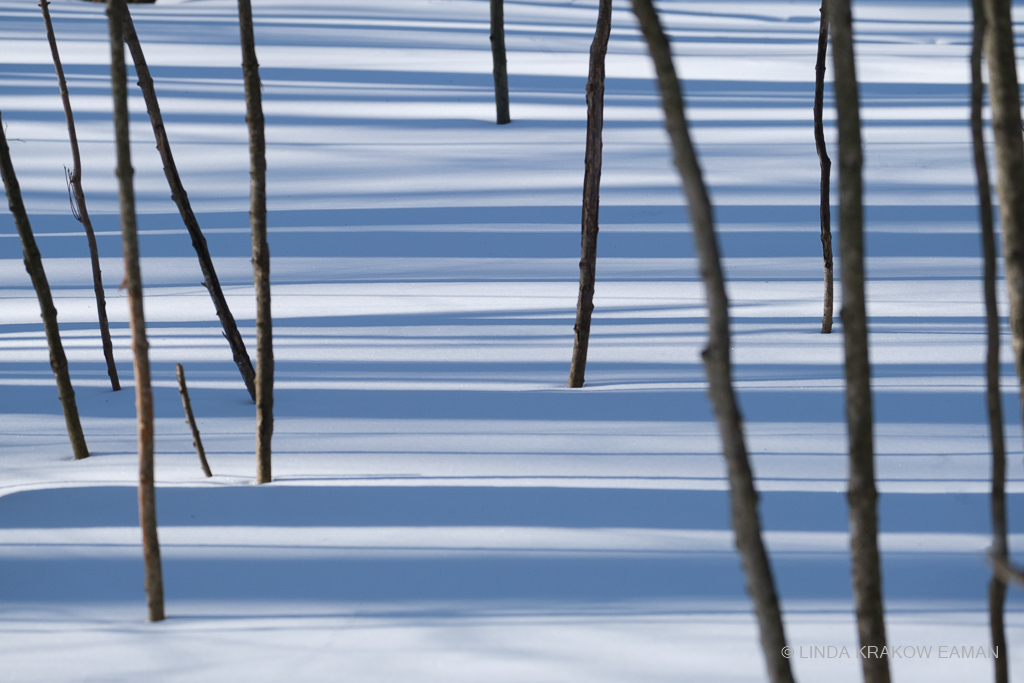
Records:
x=443, y=508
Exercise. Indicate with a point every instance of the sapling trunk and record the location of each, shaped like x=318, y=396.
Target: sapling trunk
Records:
x=862, y=495
x=34, y=266
x=717, y=357
x=190, y=418
x=824, y=210
x=591, y=195
x=997, y=586
x=1004, y=97
x=79, y=209
x=116, y=10
x=260, y=247
x=498, y=59
x=212, y=284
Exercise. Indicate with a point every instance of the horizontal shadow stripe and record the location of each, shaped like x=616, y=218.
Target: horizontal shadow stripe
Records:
x=313, y=506
x=601, y=579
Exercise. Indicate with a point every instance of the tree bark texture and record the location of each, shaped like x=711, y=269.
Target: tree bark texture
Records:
x=591, y=195
x=862, y=495
x=1004, y=97
x=212, y=284
x=78, y=206
x=260, y=247
x=997, y=587
x=718, y=364
x=498, y=58
x=190, y=418
x=116, y=11
x=34, y=266
x=825, y=211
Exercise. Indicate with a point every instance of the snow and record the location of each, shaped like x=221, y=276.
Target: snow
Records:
x=443, y=508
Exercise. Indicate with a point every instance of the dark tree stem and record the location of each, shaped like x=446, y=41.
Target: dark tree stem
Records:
x=78, y=202
x=591, y=194
x=260, y=247
x=997, y=586
x=498, y=58
x=190, y=418
x=34, y=266
x=825, y=211
x=717, y=361
x=212, y=284
x=1004, y=97
x=862, y=495
x=116, y=11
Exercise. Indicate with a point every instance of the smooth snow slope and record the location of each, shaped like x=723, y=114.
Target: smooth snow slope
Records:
x=443, y=508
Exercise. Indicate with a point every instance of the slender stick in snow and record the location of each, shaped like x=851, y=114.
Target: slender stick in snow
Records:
x=996, y=586
x=34, y=266
x=190, y=418
x=260, y=248
x=78, y=202
x=211, y=282
x=591, y=195
x=825, y=211
x=116, y=10
x=717, y=362
x=862, y=495
x=498, y=59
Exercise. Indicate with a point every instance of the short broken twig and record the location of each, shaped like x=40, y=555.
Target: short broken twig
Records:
x=71, y=195
x=1004, y=571
x=190, y=418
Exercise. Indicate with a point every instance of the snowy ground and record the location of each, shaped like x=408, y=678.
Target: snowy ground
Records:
x=443, y=508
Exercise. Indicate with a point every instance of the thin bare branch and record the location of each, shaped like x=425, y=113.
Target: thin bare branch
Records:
x=591, y=195
x=824, y=210
x=260, y=247
x=190, y=418
x=178, y=194
x=499, y=61
x=717, y=356
x=993, y=399
x=862, y=494
x=116, y=9
x=34, y=266
x=79, y=210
